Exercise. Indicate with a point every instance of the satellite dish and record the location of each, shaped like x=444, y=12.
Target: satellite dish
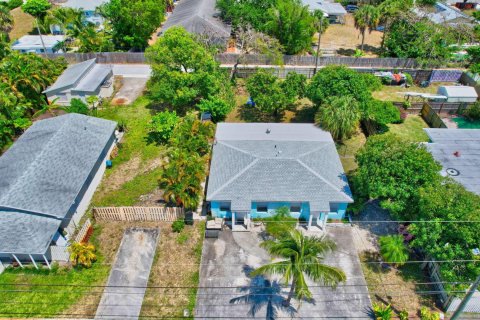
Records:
x=453, y=172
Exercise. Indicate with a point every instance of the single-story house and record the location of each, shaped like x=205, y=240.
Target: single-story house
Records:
x=48, y=177
x=444, y=14
x=81, y=80
x=89, y=8
x=33, y=44
x=458, y=93
x=259, y=167
x=199, y=17
x=458, y=151
x=334, y=11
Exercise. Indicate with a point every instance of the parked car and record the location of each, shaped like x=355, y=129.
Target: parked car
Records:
x=351, y=8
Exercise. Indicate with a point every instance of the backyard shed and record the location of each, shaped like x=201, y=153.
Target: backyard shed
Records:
x=48, y=177
x=458, y=93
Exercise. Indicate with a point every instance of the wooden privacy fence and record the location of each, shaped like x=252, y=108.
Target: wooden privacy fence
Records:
x=138, y=213
x=439, y=107
x=431, y=117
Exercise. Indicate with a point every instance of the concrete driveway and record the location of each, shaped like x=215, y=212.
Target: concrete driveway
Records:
x=227, y=261
x=130, y=90
x=123, y=296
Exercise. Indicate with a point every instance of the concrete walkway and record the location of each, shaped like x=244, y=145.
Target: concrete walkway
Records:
x=126, y=286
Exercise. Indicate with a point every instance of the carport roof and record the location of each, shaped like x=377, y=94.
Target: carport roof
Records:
x=458, y=149
x=276, y=162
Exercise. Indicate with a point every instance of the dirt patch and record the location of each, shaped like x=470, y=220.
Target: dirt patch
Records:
x=345, y=38
x=153, y=199
x=23, y=24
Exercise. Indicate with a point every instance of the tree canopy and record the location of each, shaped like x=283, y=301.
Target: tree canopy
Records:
x=340, y=116
x=133, y=21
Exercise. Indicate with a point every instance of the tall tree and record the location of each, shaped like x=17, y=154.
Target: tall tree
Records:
x=133, y=21
x=340, y=116
x=366, y=18
x=6, y=20
x=38, y=9
x=303, y=256
x=390, y=9
x=292, y=24
x=321, y=25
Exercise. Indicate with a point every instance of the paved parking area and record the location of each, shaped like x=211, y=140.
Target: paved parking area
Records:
x=130, y=90
x=123, y=296
x=226, y=262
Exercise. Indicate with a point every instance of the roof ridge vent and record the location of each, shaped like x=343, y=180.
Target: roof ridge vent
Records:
x=268, y=131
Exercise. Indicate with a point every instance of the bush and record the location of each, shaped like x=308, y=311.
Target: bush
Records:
x=161, y=127
x=409, y=79
x=403, y=315
x=393, y=250
x=218, y=108
x=425, y=314
x=281, y=223
x=78, y=106
x=177, y=226
x=473, y=112
x=382, y=312
x=12, y=4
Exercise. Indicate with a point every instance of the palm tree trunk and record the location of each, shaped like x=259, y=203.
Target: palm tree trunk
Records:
x=318, y=51
x=41, y=38
x=290, y=294
x=363, y=40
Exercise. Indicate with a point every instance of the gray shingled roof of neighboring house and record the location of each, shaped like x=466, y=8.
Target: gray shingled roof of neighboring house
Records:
x=199, y=17
x=84, y=77
x=458, y=149
x=293, y=162
x=43, y=173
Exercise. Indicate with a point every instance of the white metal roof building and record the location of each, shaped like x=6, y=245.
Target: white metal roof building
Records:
x=335, y=11
x=33, y=43
x=458, y=93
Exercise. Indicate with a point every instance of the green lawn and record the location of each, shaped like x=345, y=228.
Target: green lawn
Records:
x=411, y=129
x=45, y=293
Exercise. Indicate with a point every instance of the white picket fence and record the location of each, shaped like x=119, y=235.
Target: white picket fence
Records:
x=59, y=253
x=138, y=213
x=81, y=234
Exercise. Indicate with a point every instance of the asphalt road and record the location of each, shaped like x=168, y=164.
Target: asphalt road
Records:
x=123, y=296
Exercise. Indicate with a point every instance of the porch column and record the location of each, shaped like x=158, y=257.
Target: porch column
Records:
x=233, y=220
x=33, y=260
x=46, y=260
x=310, y=218
x=18, y=261
x=248, y=221
x=325, y=218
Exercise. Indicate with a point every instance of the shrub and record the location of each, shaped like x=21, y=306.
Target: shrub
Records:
x=122, y=126
x=408, y=79
x=218, y=108
x=473, y=112
x=393, y=250
x=178, y=225
x=78, y=106
x=12, y=4
x=281, y=223
x=403, y=315
x=340, y=116
x=425, y=314
x=82, y=254
x=382, y=312
x=161, y=127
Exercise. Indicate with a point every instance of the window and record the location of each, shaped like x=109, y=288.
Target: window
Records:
x=333, y=207
x=225, y=206
x=295, y=207
x=262, y=207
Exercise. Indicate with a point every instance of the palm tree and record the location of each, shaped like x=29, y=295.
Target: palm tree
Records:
x=303, y=259
x=393, y=249
x=6, y=20
x=82, y=253
x=321, y=25
x=366, y=17
x=37, y=9
x=340, y=116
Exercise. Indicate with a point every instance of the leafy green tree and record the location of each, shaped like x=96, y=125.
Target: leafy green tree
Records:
x=133, y=21
x=13, y=4
x=393, y=249
x=183, y=72
x=89, y=39
x=245, y=12
x=218, y=108
x=448, y=201
x=161, y=126
x=342, y=81
x=380, y=113
x=38, y=9
x=181, y=178
x=192, y=135
x=294, y=86
x=6, y=20
x=393, y=170
x=303, y=256
x=4, y=45
x=366, y=17
x=474, y=59
x=267, y=93
x=389, y=10
x=340, y=116
x=292, y=24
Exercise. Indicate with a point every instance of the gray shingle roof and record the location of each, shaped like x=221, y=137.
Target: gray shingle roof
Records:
x=458, y=149
x=293, y=162
x=42, y=175
x=84, y=77
x=199, y=17
x=85, y=5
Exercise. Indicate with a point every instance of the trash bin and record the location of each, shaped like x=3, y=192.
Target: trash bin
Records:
x=189, y=218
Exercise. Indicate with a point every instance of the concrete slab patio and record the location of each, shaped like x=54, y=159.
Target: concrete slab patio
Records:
x=227, y=261
x=123, y=296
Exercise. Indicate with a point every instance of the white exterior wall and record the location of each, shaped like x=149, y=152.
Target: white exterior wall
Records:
x=85, y=202
x=106, y=92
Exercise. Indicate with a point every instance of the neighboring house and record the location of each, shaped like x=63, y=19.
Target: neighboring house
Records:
x=259, y=167
x=442, y=13
x=33, y=44
x=199, y=17
x=334, y=11
x=458, y=151
x=48, y=177
x=89, y=8
x=458, y=93
x=81, y=80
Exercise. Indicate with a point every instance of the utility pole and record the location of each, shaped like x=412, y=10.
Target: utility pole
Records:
x=466, y=299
